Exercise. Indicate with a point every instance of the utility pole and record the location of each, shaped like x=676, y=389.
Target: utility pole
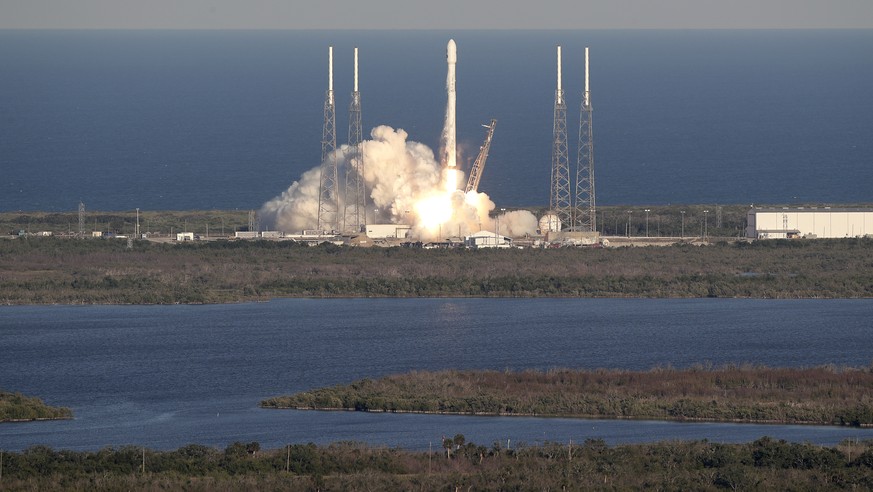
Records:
x=647, y=222
x=683, y=223
x=705, y=222
x=81, y=219
x=629, y=212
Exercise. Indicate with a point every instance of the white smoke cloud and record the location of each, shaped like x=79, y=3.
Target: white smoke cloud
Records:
x=405, y=185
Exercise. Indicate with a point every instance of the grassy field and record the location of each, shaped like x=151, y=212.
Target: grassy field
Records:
x=39, y=270
x=820, y=395
x=764, y=464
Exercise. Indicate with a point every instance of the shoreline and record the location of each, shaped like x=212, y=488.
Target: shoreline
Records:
x=578, y=416
x=822, y=396
x=495, y=297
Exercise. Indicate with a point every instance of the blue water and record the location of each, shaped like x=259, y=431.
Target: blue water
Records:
x=165, y=376
x=210, y=119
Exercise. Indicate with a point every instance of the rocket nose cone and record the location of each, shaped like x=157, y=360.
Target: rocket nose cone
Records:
x=452, y=52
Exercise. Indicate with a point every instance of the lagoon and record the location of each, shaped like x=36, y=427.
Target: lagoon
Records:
x=166, y=376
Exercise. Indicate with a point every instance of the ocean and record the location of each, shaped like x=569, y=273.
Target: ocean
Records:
x=162, y=120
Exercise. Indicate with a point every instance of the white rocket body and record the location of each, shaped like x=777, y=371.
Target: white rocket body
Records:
x=450, y=131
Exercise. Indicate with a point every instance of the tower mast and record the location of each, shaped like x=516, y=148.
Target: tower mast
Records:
x=559, y=201
x=355, y=216
x=328, y=198
x=585, y=214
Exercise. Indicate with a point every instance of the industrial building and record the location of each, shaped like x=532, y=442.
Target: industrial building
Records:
x=387, y=231
x=486, y=239
x=815, y=222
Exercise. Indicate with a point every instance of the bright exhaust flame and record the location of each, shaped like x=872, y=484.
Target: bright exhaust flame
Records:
x=434, y=211
x=452, y=179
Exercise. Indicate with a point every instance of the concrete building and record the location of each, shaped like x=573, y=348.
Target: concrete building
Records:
x=819, y=222
x=184, y=236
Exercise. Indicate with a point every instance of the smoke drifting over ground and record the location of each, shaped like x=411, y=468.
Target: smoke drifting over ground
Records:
x=405, y=185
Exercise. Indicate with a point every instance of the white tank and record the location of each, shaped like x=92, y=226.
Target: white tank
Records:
x=549, y=223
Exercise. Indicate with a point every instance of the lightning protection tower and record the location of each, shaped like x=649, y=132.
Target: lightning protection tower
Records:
x=559, y=201
x=355, y=217
x=584, y=212
x=328, y=198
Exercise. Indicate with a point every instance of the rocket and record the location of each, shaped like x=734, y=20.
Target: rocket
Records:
x=450, y=128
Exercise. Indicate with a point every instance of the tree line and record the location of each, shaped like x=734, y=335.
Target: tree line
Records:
x=765, y=464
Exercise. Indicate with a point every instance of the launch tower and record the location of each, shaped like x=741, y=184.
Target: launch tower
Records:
x=559, y=201
x=585, y=218
x=479, y=165
x=328, y=198
x=355, y=217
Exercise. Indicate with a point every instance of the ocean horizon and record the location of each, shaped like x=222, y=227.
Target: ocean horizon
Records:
x=161, y=120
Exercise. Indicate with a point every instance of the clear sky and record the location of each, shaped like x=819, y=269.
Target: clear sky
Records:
x=435, y=14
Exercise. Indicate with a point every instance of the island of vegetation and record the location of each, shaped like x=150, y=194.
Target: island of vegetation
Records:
x=818, y=395
x=15, y=407
x=765, y=464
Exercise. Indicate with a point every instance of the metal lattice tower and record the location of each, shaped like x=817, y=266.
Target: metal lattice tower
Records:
x=585, y=216
x=355, y=217
x=559, y=201
x=328, y=203
x=81, y=219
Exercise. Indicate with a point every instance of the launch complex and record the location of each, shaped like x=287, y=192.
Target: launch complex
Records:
x=454, y=210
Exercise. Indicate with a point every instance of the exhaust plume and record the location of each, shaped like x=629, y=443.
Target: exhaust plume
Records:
x=407, y=186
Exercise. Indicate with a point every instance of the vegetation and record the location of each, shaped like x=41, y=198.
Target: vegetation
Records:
x=17, y=407
x=54, y=270
x=820, y=395
x=156, y=223
x=764, y=464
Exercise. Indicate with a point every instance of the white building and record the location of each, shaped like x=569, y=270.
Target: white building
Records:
x=486, y=239
x=184, y=236
x=385, y=231
x=819, y=222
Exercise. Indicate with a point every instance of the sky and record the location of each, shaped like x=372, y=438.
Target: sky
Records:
x=436, y=14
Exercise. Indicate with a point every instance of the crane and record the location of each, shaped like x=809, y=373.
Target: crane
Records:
x=479, y=165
